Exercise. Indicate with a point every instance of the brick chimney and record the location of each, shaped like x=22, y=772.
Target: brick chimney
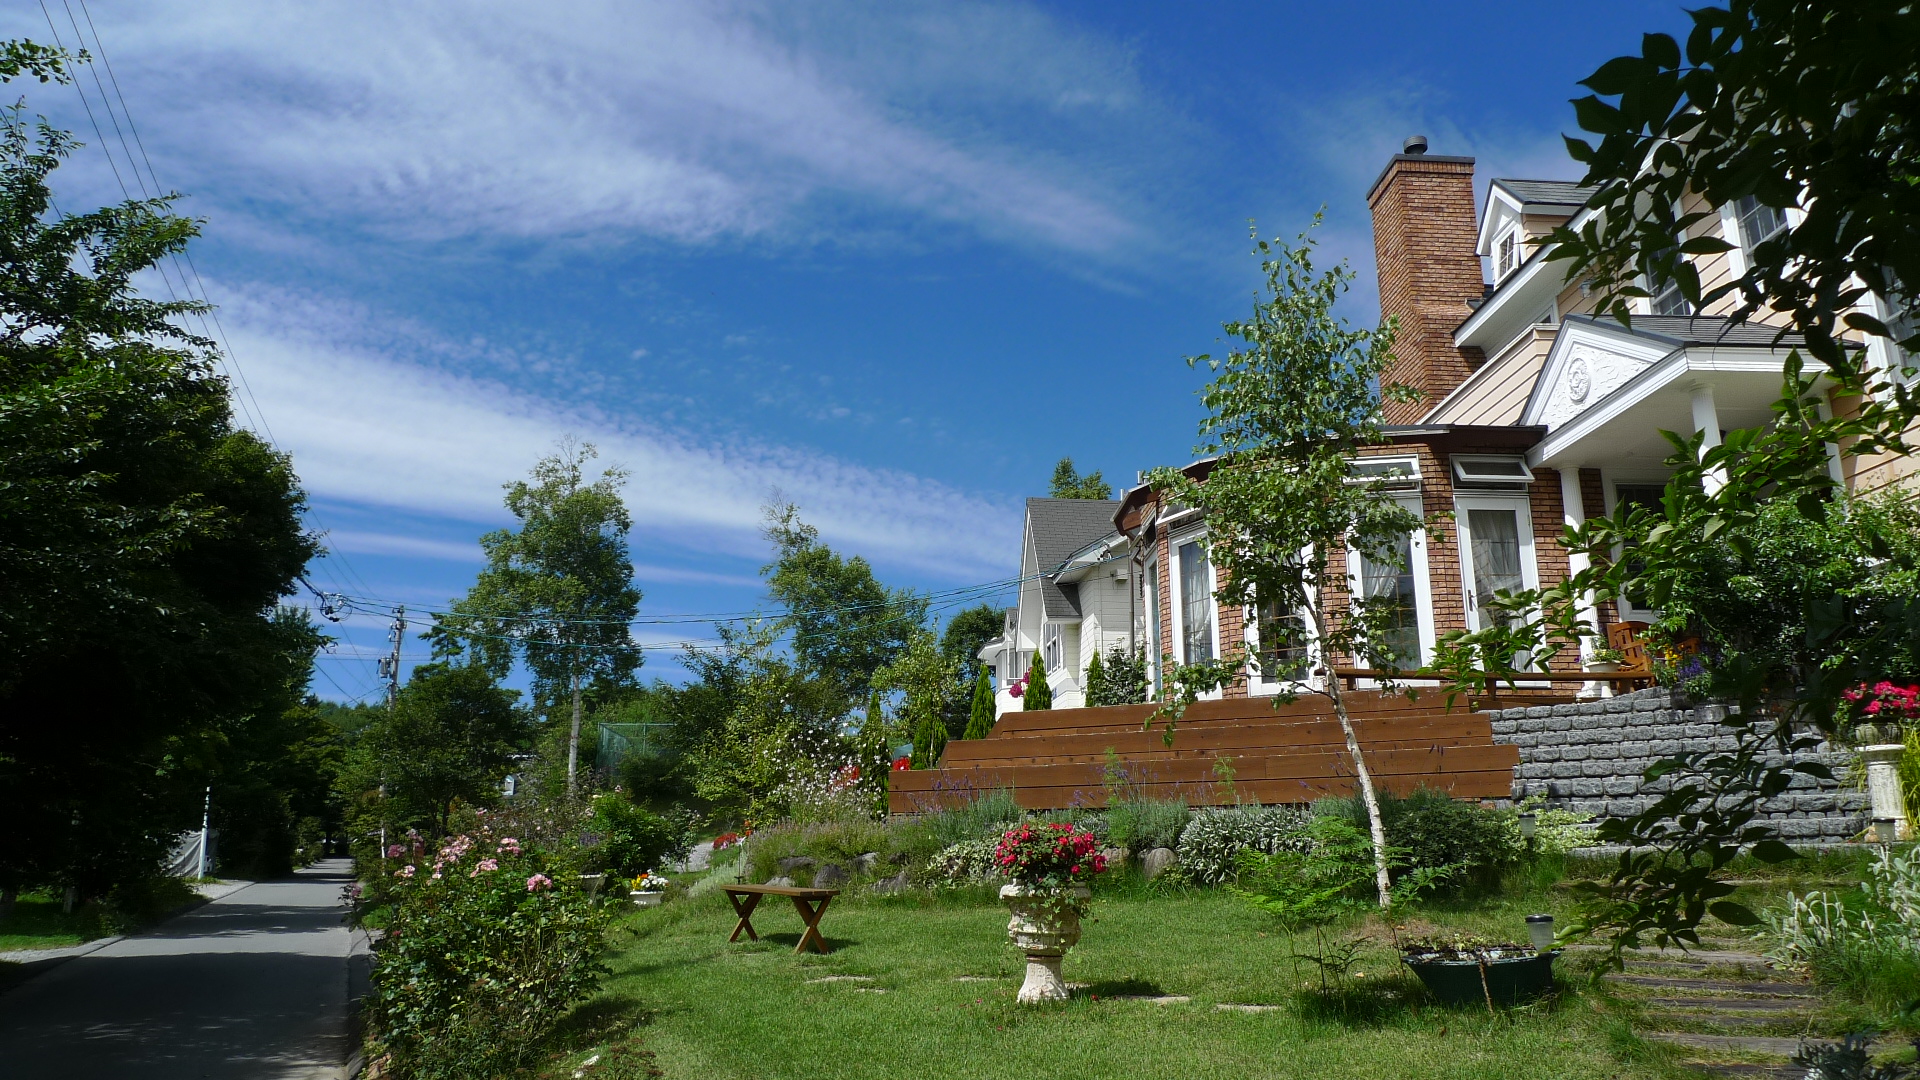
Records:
x=1424, y=236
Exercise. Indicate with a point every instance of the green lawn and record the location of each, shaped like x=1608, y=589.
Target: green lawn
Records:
x=708, y=1009
x=37, y=923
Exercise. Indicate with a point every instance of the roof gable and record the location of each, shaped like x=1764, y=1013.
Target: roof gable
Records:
x=1056, y=530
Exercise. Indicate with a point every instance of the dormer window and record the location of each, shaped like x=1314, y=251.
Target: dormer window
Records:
x=1758, y=222
x=1506, y=254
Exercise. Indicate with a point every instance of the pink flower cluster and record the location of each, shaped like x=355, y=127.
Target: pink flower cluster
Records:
x=1055, y=853
x=508, y=846
x=1885, y=701
x=539, y=883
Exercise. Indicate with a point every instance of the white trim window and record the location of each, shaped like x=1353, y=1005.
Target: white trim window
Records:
x=1050, y=646
x=1506, y=254
x=1193, y=601
x=1398, y=579
x=1666, y=297
x=1650, y=494
x=1496, y=555
x=1758, y=222
x=1282, y=645
x=1152, y=588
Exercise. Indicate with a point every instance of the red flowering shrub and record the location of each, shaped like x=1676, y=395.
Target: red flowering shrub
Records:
x=1884, y=702
x=1049, y=855
x=725, y=840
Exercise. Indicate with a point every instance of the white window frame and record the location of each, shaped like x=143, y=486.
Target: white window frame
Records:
x=1624, y=610
x=1507, y=246
x=1409, y=466
x=1422, y=582
x=1052, y=646
x=1746, y=243
x=1529, y=552
x=1176, y=591
x=1153, y=644
x=1465, y=478
x=1259, y=684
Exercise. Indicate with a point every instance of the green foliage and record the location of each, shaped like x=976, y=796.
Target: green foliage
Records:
x=988, y=814
x=1286, y=415
x=145, y=541
x=450, y=739
x=1805, y=106
x=1118, y=679
x=1327, y=877
x=1068, y=484
x=960, y=642
x=22, y=57
x=1432, y=829
x=776, y=724
x=1210, y=846
x=1139, y=823
x=838, y=842
x=846, y=626
x=969, y=862
x=633, y=839
x=926, y=681
x=487, y=945
x=1038, y=693
x=980, y=723
x=1866, y=944
x=558, y=594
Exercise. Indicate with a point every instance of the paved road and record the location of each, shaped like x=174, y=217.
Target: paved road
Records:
x=254, y=985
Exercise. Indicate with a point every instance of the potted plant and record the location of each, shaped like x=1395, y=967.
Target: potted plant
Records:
x=1606, y=658
x=1463, y=970
x=1049, y=865
x=648, y=890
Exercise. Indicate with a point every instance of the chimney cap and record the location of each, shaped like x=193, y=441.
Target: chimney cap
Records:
x=1415, y=144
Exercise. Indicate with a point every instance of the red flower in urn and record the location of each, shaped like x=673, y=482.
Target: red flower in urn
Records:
x=1052, y=854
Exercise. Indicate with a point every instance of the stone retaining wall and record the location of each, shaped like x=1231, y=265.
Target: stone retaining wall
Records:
x=1589, y=756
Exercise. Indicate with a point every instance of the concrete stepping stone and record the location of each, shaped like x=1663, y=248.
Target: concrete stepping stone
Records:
x=1732, y=986
x=1157, y=999
x=1727, y=1018
x=841, y=978
x=976, y=978
x=1226, y=1006
x=1770, y=1045
x=1728, y=1004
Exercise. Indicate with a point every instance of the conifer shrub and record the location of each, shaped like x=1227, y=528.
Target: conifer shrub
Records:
x=1038, y=694
x=980, y=722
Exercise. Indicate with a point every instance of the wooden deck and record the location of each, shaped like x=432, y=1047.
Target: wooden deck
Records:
x=1291, y=753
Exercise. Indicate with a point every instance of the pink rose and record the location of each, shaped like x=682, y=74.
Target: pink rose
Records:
x=539, y=883
x=406, y=871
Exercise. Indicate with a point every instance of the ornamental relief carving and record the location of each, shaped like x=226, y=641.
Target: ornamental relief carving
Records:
x=1590, y=373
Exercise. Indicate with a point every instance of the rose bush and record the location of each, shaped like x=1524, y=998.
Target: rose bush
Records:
x=483, y=953
x=1050, y=855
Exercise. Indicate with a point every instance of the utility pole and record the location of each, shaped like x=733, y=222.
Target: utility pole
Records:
x=390, y=671
x=390, y=665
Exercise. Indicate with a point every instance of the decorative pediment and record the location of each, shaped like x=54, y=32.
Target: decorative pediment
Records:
x=1588, y=362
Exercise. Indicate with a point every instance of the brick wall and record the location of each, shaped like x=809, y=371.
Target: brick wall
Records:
x=1589, y=757
x=1424, y=235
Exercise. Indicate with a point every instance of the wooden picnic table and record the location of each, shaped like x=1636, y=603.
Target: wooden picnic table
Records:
x=745, y=898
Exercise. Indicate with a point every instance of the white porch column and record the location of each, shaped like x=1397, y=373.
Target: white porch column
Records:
x=1573, y=510
x=1706, y=420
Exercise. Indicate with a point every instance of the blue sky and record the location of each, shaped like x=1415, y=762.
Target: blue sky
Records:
x=891, y=260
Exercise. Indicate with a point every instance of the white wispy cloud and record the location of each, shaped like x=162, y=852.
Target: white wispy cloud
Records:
x=688, y=121
x=369, y=426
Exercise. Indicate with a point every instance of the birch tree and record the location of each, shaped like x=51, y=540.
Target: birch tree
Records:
x=1287, y=409
x=557, y=594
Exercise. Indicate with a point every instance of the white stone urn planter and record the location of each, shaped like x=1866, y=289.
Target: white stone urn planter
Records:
x=1045, y=924
x=645, y=898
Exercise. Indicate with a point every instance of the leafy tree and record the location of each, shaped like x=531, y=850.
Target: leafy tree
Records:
x=559, y=593
x=23, y=57
x=449, y=738
x=1285, y=416
x=1802, y=105
x=779, y=722
x=980, y=722
x=965, y=635
x=925, y=679
x=845, y=624
x=1119, y=679
x=1796, y=105
x=145, y=541
x=1038, y=694
x=1068, y=484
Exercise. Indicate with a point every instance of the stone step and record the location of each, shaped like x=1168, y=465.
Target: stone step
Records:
x=1780, y=1046
x=1730, y=1005
x=1731, y=1020
x=1714, y=957
x=1732, y=986
x=1763, y=1072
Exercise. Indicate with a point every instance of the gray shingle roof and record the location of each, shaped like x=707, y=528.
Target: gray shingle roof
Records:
x=1703, y=330
x=1564, y=193
x=1058, y=528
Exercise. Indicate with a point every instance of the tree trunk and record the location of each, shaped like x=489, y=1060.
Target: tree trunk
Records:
x=1383, y=882
x=573, y=740
x=8, y=896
